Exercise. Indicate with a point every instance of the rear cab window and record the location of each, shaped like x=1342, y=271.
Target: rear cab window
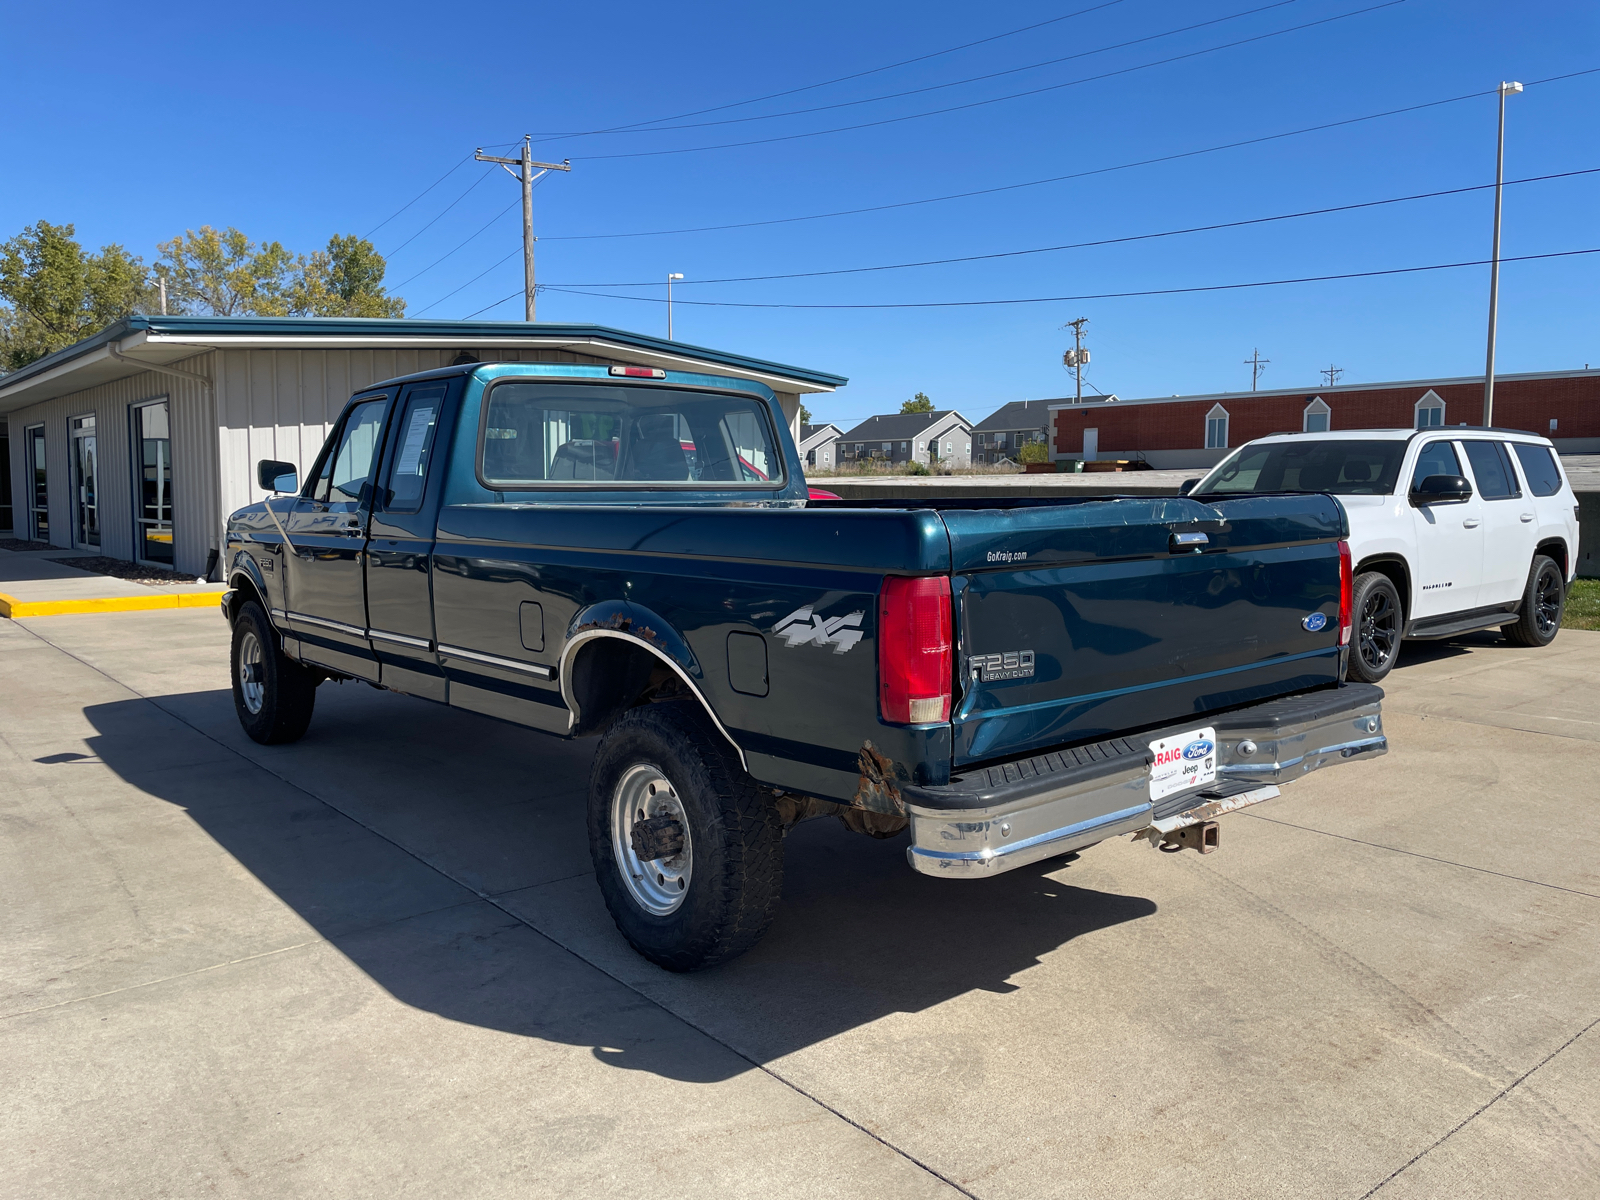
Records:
x=537, y=435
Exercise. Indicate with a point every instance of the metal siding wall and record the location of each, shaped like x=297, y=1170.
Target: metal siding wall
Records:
x=111, y=404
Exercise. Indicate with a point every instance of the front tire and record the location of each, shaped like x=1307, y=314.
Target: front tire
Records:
x=273, y=695
x=1375, y=604
x=687, y=850
x=1543, y=603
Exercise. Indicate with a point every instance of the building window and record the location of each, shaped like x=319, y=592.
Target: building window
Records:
x=1429, y=411
x=1217, y=428
x=1316, y=416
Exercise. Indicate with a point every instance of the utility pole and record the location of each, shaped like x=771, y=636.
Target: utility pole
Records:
x=1506, y=89
x=526, y=175
x=162, y=280
x=1256, y=363
x=670, y=278
x=1077, y=358
x=1331, y=375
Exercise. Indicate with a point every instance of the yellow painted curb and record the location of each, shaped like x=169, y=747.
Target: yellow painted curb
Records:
x=10, y=606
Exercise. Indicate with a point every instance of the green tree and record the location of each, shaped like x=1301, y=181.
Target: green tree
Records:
x=917, y=403
x=52, y=294
x=805, y=415
x=345, y=280
x=227, y=275
x=1033, y=452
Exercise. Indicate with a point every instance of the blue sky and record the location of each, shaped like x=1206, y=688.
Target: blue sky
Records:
x=297, y=121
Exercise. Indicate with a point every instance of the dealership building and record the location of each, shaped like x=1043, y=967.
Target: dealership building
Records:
x=1197, y=431
x=138, y=442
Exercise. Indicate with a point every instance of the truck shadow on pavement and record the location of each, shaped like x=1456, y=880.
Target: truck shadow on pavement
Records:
x=445, y=855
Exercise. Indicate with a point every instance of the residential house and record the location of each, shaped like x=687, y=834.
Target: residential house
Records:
x=819, y=446
x=942, y=437
x=1003, y=433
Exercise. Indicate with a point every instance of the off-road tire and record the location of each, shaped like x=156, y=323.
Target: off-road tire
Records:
x=1378, y=622
x=737, y=839
x=1544, y=601
x=288, y=690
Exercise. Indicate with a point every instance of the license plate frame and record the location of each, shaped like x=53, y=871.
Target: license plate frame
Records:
x=1183, y=761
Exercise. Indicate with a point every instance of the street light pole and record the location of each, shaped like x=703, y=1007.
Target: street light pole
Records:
x=670, y=278
x=1506, y=89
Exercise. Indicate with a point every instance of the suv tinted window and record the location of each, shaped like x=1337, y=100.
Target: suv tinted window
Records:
x=1539, y=466
x=1341, y=468
x=1437, y=458
x=1491, y=469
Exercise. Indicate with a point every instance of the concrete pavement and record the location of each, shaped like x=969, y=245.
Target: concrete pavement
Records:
x=375, y=963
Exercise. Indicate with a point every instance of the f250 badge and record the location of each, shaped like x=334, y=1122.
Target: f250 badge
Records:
x=802, y=627
x=1013, y=664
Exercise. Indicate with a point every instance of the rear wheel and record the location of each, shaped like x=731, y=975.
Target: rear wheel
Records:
x=1375, y=603
x=273, y=695
x=1543, y=602
x=687, y=850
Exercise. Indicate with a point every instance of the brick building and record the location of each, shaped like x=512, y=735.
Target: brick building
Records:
x=1197, y=431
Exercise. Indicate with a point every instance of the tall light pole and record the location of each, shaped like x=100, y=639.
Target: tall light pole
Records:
x=670, y=278
x=1506, y=89
x=526, y=176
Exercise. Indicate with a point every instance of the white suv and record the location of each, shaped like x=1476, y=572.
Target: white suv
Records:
x=1451, y=530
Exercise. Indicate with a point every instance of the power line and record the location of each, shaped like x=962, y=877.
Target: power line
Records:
x=1051, y=62
x=446, y=209
x=469, y=283
x=1009, y=187
x=1215, y=287
x=1114, y=241
x=419, y=195
x=448, y=253
x=905, y=62
x=999, y=99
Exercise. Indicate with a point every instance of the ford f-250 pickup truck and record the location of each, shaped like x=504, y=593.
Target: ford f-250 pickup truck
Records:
x=634, y=554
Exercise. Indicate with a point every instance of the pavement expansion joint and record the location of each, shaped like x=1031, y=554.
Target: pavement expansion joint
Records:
x=1485, y=1107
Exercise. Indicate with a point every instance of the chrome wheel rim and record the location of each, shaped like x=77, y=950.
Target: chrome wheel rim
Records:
x=659, y=885
x=1379, y=626
x=251, y=689
x=1547, y=601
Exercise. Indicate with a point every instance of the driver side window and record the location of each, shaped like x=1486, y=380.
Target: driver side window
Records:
x=1437, y=458
x=348, y=468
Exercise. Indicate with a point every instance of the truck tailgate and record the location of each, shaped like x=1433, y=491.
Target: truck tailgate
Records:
x=1076, y=621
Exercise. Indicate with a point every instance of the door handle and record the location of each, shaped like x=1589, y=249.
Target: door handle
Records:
x=1526, y=517
x=1471, y=522
x=353, y=529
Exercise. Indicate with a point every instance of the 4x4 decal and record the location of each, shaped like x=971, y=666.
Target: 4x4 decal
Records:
x=802, y=627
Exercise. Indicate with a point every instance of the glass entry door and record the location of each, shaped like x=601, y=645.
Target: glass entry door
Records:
x=152, y=442
x=38, y=493
x=86, y=478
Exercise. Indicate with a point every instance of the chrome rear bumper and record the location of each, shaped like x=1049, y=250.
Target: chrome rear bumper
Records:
x=999, y=817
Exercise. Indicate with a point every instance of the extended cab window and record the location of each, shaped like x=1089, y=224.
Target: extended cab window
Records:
x=1491, y=469
x=419, y=422
x=561, y=434
x=1339, y=467
x=1436, y=458
x=1539, y=466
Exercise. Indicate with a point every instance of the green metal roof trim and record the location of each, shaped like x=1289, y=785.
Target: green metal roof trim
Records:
x=344, y=327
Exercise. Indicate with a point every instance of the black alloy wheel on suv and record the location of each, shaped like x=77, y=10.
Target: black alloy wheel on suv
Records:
x=1376, y=606
x=1543, y=603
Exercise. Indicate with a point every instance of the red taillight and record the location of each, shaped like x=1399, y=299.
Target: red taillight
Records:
x=914, y=667
x=1346, y=593
x=639, y=372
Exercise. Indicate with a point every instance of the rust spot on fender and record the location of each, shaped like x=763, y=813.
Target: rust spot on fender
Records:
x=877, y=790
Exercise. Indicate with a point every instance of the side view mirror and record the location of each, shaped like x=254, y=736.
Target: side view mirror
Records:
x=1187, y=486
x=1441, y=489
x=277, y=476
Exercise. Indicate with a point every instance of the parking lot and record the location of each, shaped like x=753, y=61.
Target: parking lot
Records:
x=375, y=964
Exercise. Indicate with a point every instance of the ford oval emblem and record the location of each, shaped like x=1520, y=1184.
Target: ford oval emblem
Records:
x=1198, y=748
x=1314, y=621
